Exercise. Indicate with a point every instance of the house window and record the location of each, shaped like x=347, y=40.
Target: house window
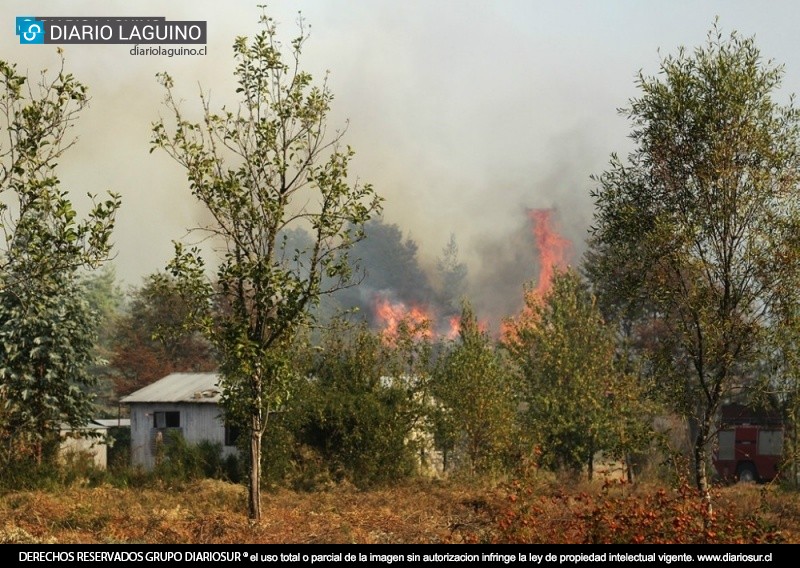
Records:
x=166, y=427
x=232, y=434
x=167, y=419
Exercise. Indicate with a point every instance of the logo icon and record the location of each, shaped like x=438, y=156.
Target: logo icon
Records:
x=30, y=30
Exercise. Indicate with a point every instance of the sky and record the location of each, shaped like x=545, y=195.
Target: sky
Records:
x=463, y=114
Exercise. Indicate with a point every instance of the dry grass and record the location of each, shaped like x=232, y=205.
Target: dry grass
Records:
x=214, y=512
x=651, y=513
x=425, y=512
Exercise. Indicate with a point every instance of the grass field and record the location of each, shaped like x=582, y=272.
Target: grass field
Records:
x=538, y=511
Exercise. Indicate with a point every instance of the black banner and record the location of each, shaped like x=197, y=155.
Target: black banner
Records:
x=341, y=555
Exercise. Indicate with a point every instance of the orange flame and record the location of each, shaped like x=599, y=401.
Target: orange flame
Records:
x=554, y=252
x=392, y=314
x=455, y=327
x=420, y=320
x=553, y=249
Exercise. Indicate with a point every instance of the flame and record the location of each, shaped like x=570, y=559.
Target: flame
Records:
x=420, y=320
x=390, y=315
x=423, y=321
x=554, y=252
x=554, y=249
x=455, y=327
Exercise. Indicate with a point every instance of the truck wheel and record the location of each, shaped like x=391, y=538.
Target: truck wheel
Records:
x=746, y=473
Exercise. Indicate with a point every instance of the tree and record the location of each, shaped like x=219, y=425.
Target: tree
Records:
x=47, y=334
x=475, y=390
x=391, y=262
x=453, y=275
x=46, y=327
x=779, y=387
x=150, y=339
x=700, y=226
x=105, y=298
x=259, y=170
x=41, y=233
x=579, y=401
x=363, y=406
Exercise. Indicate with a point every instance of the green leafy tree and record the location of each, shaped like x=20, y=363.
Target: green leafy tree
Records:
x=41, y=233
x=579, y=400
x=700, y=225
x=363, y=407
x=475, y=392
x=260, y=170
x=47, y=353
x=778, y=386
x=47, y=329
x=105, y=298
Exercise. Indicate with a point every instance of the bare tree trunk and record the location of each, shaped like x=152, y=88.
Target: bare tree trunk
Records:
x=629, y=468
x=254, y=481
x=701, y=473
x=795, y=473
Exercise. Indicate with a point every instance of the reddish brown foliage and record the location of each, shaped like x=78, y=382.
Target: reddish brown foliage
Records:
x=543, y=512
x=622, y=514
x=151, y=342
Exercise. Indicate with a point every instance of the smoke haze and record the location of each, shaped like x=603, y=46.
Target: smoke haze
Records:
x=463, y=114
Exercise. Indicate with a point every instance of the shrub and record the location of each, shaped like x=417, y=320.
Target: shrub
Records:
x=188, y=462
x=622, y=514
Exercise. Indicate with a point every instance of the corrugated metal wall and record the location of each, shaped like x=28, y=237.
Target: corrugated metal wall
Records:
x=198, y=422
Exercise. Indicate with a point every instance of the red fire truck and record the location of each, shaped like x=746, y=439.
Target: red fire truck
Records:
x=750, y=444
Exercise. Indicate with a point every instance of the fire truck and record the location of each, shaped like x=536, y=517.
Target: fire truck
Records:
x=750, y=444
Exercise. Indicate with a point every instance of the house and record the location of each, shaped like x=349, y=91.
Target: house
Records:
x=90, y=440
x=181, y=403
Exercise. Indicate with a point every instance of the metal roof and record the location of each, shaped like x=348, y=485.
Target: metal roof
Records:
x=98, y=424
x=113, y=422
x=179, y=387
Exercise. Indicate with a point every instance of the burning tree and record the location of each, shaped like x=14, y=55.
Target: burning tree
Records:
x=392, y=315
x=553, y=248
x=554, y=251
x=260, y=171
x=699, y=230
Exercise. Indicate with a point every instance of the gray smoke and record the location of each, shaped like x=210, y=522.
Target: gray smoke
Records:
x=462, y=118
